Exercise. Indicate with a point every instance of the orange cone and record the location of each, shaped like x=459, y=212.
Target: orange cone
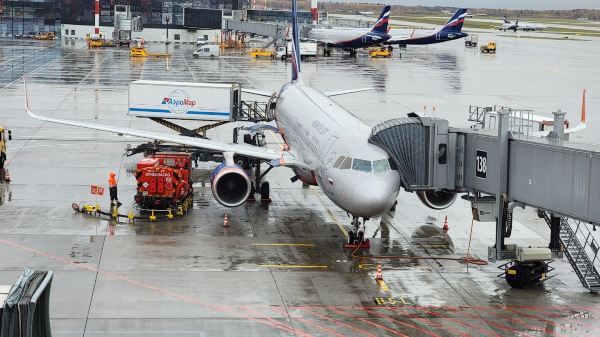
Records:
x=379, y=275
x=226, y=220
x=445, y=227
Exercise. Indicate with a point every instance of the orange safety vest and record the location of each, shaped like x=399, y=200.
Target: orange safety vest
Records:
x=112, y=182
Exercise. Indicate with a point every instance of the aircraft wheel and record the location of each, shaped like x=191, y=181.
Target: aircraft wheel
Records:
x=360, y=237
x=265, y=190
x=351, y=237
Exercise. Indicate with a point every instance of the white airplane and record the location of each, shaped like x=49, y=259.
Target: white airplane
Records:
x=326, y=145
x=524, y=26
x=537, y=125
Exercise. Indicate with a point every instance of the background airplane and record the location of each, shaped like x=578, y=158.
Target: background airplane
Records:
x=452, y=30
x=352, y=39
x=525, y=26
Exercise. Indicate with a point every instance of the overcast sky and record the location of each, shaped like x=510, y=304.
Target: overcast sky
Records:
x=509, y=4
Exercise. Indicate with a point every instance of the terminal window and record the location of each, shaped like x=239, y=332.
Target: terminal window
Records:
x=177, y=37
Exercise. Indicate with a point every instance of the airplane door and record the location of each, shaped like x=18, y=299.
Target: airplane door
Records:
x=438, y=36
x=364, y=38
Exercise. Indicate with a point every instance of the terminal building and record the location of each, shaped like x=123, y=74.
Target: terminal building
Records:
x=185, y=20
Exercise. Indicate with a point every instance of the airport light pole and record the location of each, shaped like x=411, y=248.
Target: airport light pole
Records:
x=167, y=19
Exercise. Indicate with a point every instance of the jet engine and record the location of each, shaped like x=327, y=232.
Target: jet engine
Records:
x=437, y=199
x=230, y=185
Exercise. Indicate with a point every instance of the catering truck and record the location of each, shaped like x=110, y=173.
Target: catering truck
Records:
x=184, y=100
x=307, y=49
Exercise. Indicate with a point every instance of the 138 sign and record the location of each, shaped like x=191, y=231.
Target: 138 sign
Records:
x=481, y=164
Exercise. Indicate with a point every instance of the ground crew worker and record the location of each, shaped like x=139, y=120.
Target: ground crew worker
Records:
x=112, y=187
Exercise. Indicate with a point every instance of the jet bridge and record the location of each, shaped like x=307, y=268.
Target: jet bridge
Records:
x=557, y=177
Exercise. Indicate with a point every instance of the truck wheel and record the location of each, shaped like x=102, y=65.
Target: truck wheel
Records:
x=283, y=57
x=212, y=57
x=265, y=191
x=272, y=57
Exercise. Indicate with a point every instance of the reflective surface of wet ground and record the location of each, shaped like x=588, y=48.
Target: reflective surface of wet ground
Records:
x=278, y=269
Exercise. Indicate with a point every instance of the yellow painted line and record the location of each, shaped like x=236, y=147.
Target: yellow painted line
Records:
x=286, y=244
x=383, y=286
x=292, y=266
x=337, y=222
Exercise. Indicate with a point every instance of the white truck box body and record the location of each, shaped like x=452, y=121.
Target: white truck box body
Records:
x=184, y=100
x=307, y=49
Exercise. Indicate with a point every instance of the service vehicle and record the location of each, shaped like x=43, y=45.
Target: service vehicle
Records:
x=307, y=49
x=3, y=140
x=471, y=40
x=164, y=180
x=489, y=48
x=259, y=52
x=208, y=50
x=384, y=52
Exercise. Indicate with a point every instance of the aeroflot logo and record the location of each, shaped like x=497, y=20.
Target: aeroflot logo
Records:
x=178, y=102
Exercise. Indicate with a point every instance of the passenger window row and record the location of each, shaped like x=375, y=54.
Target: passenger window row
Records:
x=378, y=166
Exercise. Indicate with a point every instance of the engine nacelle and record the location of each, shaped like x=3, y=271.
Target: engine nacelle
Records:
x=437, y=199
x=230, y=185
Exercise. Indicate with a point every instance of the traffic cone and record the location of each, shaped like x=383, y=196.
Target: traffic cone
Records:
x=226, y=220
x=379, y=275
x=6, y=175
x=445, y=227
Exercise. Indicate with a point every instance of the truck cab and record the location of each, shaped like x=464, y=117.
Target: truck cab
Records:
x=3, y=140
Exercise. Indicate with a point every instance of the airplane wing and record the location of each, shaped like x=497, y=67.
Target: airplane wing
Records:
x=345, y=92
x=277, y=158
x=257, y=92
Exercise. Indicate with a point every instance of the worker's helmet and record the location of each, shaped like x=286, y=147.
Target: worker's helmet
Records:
x=112, y=174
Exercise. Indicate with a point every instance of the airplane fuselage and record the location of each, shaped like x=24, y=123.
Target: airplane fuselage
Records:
x=346, y=38
x=324, y=134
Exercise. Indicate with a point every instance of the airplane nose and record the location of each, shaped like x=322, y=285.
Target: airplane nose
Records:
x=373, y=198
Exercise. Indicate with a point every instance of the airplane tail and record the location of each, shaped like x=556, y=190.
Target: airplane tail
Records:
x=456, y=21
x=295, y=44
x=506, y=20
x=583, y=123
x=381, y=26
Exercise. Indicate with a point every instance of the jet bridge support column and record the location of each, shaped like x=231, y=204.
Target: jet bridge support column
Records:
x=503, y=137
x=554, y=233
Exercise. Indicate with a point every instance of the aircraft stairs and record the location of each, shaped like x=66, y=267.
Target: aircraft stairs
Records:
x=581, y=249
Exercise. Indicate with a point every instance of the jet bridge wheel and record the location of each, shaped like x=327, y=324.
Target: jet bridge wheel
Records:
x=523, y=274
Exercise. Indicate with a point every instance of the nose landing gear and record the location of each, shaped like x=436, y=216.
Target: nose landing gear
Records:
x=356, y=237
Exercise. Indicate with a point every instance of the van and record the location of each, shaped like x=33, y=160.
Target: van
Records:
x=208, y=50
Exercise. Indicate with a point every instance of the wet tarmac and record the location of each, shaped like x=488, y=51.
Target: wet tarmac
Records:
x=278, y=269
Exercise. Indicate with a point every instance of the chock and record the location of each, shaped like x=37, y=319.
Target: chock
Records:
x=365, y=244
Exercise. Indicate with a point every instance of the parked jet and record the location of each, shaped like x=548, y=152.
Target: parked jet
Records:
x=326, y=145
x=452, y=30
x=352, y=39
x=525, y=26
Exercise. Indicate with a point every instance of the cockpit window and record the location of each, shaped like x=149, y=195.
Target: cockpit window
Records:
x=346, y=164
x=361, y=165
x=339, y=161
x=393, y=165
x=381, y=165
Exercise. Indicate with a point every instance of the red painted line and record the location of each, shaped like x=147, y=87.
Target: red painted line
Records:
x=264, y=320
x=368, y=322
x=456, y=332
x=402, y=323
x=521, y=322
x=485, y=332
x=557, y=324
x=337, y=322
x=306, y=321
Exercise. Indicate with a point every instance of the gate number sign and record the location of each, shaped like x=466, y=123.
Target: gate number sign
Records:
x=481, y=164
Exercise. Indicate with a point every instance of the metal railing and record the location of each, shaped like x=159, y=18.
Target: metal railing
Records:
x=581, y=249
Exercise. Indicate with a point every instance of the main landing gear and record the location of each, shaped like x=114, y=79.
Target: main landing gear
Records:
x=356, y=237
